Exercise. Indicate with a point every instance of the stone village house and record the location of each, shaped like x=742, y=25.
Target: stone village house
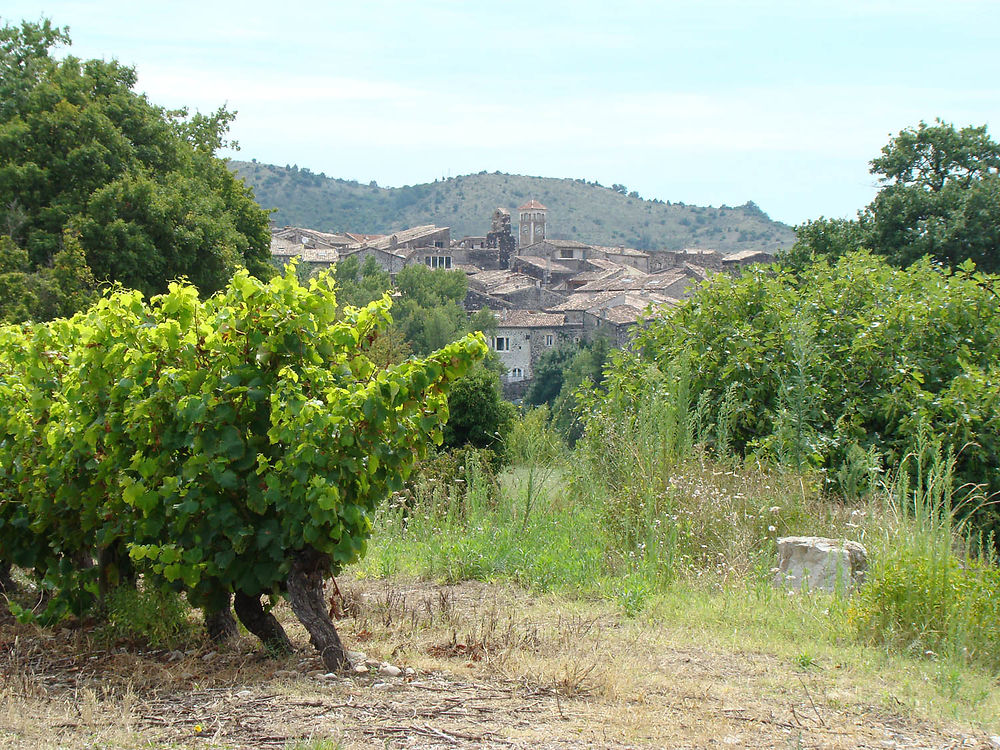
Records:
x=543, y=291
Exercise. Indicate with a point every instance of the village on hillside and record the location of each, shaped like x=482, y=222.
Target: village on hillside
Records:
x=542, y=291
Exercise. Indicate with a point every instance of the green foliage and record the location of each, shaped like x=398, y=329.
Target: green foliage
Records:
x=210, y=441
x=838, y=365
x=560, y=373
x=535, y=447
x=137, y=185
x=428, y=313
x=480, y=416
x=155, y=617
x=940, y=197
x=920, y=595
x=598, y=214
x=359, y=284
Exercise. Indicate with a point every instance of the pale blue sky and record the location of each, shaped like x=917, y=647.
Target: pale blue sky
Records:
x=781, y=102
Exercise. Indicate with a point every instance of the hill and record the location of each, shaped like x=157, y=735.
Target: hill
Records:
x=578, y=209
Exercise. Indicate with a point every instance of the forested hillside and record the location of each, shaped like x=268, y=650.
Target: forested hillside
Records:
x=577, y=209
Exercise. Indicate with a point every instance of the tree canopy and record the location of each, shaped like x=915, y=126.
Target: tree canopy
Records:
x=138, y=187
x=939, y=196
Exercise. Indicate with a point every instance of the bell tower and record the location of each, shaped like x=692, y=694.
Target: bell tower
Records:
x=531, y=218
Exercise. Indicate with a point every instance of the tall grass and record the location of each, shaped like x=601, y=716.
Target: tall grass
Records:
x=640, y=511
x=475, y=528
x=934, y=587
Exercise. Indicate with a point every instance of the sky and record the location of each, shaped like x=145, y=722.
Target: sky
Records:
x=707, y=102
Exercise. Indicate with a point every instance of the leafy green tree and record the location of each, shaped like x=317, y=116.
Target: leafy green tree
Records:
x=824, y=238
x=548, y=374
x=58, y=289
x=560, y=372
x=139, y=186
x=480, y=416
x=358, y=283
x=939, y=196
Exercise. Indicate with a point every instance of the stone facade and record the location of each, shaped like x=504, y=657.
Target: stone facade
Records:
x=531, y=220
x=522, y=336
x=543, y=293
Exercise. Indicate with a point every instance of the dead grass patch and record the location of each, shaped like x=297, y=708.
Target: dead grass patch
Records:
x=494, y=667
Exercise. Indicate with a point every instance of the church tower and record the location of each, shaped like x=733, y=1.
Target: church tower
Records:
x=531, y=217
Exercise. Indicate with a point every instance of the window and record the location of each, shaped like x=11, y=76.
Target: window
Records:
x=501, y=344
x=549, y=339
x=517, y=374
x=565, y=252
x=438, y=261
x=439, y=243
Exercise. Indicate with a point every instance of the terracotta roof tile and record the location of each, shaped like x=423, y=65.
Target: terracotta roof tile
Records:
x=529, y=319
x=532, y=205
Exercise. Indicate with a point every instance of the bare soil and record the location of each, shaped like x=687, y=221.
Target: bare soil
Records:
x=487, y=666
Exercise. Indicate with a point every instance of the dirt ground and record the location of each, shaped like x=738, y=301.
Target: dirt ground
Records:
x=482, y=666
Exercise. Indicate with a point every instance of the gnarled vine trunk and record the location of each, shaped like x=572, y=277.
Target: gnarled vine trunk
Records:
x=262, y=624
x=7, y=585
x=305, y=594
x=220, y=623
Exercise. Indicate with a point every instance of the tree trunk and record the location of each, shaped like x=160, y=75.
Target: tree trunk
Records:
x=115, y=569
x=7, y=585
x=305, y=593
x=220, y=623
x=262, y=624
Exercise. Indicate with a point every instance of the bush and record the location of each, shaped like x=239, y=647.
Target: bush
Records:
x=156, y=617
x=833, y=368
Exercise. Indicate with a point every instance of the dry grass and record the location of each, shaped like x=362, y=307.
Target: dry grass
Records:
x=494, y=667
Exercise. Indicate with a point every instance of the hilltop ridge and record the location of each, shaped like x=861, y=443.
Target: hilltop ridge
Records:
x=580, y=210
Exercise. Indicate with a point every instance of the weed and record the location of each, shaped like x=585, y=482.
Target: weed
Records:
x=805, y=661
x=154, y=616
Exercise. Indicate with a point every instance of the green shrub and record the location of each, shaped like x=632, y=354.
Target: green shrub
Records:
x=832, y=368
x=156, y=617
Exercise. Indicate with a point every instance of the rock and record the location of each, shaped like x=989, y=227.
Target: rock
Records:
x=388, y=670
x=175, y=656
x=315, y=673
x=209, y=656
x=356, y=657
x=373, y=663
x=329, y=676
x=244, y=694
x=360, y=669
x=409, y=671
x=811, y=562
x=286, y=673
x=995, y=741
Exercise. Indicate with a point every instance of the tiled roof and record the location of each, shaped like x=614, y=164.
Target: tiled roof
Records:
x=745, y=255
x=621, y=314
x=544, y=264
x=646, y=282
x=629, y=251
x=363, y=237
x=579, y=301
x=608, y=270
x=529, y=319
x=532, y=205
x=501, y=282
x=403, y=236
